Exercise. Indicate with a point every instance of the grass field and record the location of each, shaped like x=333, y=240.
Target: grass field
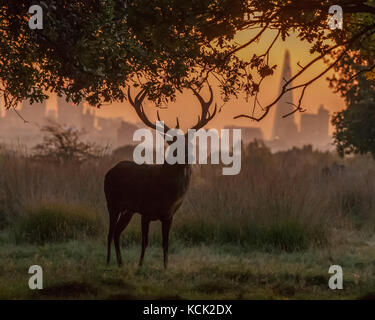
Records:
x=77, y=270
x=271, y=232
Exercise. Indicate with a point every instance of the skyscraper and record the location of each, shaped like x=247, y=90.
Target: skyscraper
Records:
x=68, y=113
x=285, y=129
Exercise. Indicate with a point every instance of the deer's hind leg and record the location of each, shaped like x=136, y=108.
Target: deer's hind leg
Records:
x=122, y=223
x=166, y=227
x=113, y=217
x=145, y=230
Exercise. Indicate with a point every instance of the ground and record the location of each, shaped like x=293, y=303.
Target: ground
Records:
x=77, y=270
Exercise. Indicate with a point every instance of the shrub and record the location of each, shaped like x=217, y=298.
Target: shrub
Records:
x=63, y=144
x=56, y=223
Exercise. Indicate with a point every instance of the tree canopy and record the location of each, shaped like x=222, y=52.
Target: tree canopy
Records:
x=355, y=125
x=94, y=50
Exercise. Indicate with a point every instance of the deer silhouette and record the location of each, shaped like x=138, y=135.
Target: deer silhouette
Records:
x=154, y=191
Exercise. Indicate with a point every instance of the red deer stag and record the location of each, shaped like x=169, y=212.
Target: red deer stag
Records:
x=154, y=191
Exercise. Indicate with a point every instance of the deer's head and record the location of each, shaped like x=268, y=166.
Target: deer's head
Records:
x=203, y=118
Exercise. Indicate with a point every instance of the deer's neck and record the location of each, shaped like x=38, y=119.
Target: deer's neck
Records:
x=182, y=170
x=177, y=166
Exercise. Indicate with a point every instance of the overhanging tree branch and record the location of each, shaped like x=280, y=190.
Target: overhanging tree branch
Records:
x=285, y=88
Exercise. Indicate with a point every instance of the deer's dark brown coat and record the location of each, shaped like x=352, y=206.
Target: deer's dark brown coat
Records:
x=154, y=191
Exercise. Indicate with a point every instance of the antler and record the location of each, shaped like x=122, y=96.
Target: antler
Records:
x=138, y=107
x=205, y=116
x=203, y=119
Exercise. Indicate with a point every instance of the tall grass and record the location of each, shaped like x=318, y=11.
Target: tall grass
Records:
x=285, y=201
x=56, y=223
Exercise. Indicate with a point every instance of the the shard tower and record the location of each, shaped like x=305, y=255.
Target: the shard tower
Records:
x=285, y=129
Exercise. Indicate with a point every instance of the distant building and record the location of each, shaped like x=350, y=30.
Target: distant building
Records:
x=249, y=134
x=88, y=120
x=285, y=134
x=110, y=132
x=314, y=127
x=285, y=129
x=14, y=128
x=125, y=133
x=68, y=113
x=106, y=130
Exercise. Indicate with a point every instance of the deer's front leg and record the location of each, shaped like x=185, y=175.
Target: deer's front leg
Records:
x=166, y=227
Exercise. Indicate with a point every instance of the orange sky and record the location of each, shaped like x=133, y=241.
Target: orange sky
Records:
x=187, y=108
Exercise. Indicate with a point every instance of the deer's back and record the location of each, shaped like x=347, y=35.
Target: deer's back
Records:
x=155, y=190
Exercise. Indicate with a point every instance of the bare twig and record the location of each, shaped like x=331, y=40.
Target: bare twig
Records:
x=308, y=83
